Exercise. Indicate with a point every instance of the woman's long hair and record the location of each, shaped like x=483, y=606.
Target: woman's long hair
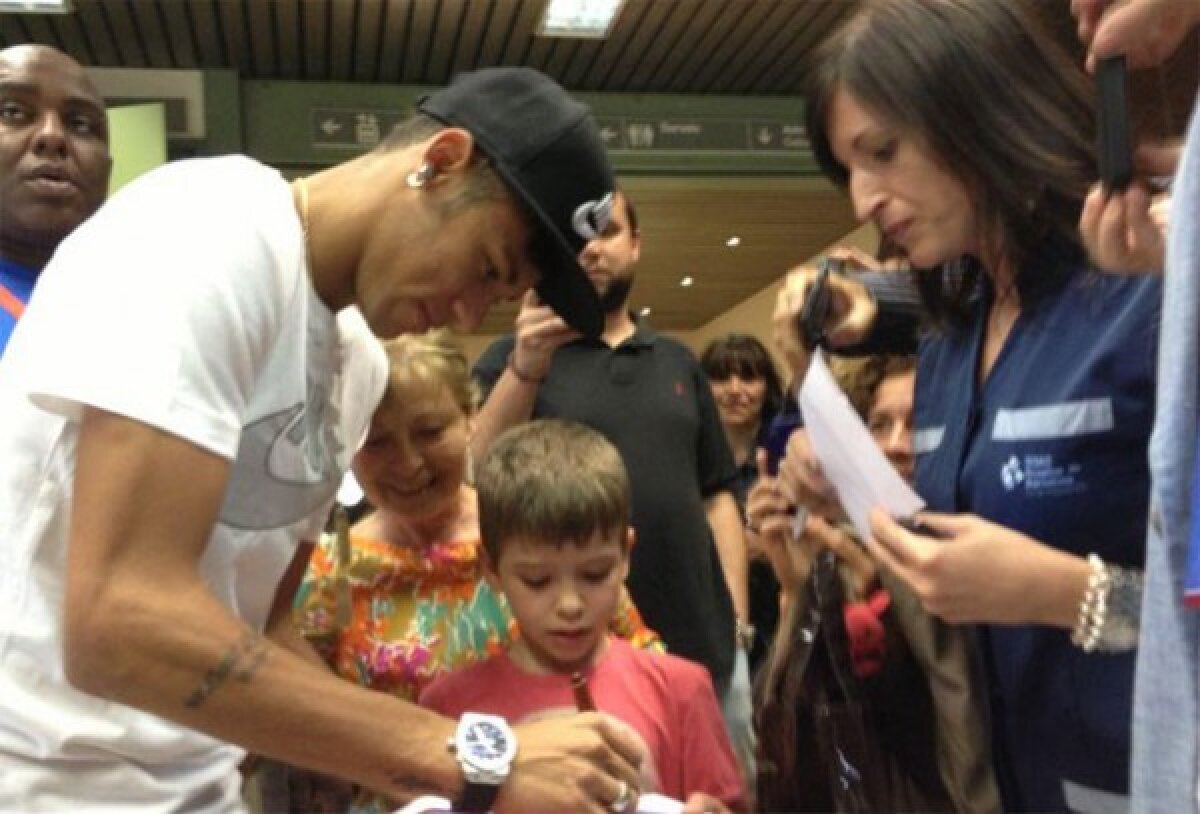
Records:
x=995, y=100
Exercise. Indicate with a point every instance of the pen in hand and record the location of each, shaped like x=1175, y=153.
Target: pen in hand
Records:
x=583, y=696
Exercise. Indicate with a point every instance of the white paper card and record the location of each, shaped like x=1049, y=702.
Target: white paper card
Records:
x=647, y=804
x=860, y=473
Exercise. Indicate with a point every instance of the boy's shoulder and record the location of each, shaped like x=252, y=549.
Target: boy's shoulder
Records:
x=461, y=686
x=678, y=673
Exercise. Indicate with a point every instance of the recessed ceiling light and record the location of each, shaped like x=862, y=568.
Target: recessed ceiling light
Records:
x=733, y=242
x=645, y=311
x=686, y=281
x=36, y=6
x=586, y=19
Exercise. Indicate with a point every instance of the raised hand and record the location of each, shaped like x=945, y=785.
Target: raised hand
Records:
x=539, y=333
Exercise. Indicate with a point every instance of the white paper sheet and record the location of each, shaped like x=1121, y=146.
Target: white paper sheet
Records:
x=860, y=473
x=647, y=804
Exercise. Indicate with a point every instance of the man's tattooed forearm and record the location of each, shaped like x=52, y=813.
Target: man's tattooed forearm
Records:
x=241, y=661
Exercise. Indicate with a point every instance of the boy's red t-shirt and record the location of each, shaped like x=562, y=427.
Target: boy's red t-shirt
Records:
x=668, y=701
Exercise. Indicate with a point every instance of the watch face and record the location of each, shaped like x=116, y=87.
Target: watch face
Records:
x=485, y=743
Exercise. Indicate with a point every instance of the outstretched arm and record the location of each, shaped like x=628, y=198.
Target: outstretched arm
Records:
x=142, y=628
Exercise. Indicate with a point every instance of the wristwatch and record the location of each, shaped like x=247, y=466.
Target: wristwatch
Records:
x=485, y=747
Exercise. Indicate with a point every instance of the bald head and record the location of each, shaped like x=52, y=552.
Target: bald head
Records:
x=54, y=159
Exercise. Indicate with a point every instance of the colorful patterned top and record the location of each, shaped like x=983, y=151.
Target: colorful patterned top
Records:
x=414, y=612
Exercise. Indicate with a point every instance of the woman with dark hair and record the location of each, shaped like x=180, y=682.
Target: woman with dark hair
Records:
x=749, y=394
x=965, y=134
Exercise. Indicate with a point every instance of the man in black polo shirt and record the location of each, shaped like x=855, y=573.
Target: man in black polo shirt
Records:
x=649, y=396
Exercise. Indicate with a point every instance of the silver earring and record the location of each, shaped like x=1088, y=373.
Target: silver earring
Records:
x=421, y=176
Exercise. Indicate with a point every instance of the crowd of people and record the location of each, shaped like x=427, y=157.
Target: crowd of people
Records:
x=593, y=571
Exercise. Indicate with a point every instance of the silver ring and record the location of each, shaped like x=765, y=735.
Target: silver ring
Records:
x=624, y=798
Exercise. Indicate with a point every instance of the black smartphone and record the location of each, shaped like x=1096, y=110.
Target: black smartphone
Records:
x=815, y=310
x=1113, y=145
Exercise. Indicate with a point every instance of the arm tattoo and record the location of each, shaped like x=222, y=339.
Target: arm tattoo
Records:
x=241, y=661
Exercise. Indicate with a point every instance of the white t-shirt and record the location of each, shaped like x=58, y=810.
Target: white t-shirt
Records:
x=186, y=304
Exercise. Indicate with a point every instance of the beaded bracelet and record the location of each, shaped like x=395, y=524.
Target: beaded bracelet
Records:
x=1110, y=611
x=1093, y=607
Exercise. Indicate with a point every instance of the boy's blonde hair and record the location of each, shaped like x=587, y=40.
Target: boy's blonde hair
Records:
x=551, y=481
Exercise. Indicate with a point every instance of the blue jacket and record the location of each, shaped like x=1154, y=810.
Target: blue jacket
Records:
x=1052, y=445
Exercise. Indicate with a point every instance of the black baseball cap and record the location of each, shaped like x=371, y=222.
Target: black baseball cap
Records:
x=547, y=148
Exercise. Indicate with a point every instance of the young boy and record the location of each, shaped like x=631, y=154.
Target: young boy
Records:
x=554, y=508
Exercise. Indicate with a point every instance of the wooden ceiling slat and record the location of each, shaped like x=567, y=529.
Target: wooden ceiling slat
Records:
x=368, y=39
x=9, y=35
x=641, y=46
x=646, y=75
x=448, y=31
x=73, y=38
x=562, y=56
x=495, y=38
x=777, y=32
x=582, y=59
x=750, y=17
x=208, y=35
x=260, y=20
x=391, y=54
x=701, y=47
x=540, y=51
x=314, y=22
x=786, y=75
x=420, y=32
x=470, y=41
x=179, y=29
x=342, y=40
x=129, y=50
x=152, y=37
x=39, y=30
x=232, y=25
x=624, y=30
x=520, y=38
x=286, y=19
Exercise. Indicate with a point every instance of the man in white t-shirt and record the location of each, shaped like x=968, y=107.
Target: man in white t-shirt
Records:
x=177, y=407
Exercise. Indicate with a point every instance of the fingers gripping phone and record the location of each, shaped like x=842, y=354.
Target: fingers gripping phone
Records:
x=1114, y=149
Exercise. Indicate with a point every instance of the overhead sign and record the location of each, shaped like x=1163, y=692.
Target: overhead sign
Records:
x=706, y=133
x=352, y=129
x=363, y=129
